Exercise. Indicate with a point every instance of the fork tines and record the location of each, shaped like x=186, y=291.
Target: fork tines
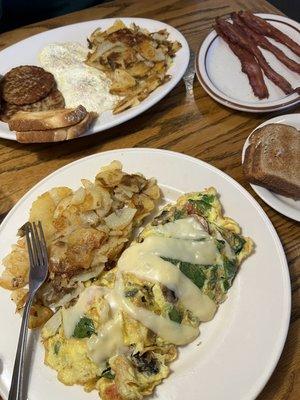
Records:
x=36, y=244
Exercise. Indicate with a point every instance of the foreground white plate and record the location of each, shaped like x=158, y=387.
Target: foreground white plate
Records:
x=26, y=52
x=219, y=71
x=282, y=204
x=238, y=350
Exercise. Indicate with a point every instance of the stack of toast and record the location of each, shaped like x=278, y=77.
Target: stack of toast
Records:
x=52, y=125
x=272, y=159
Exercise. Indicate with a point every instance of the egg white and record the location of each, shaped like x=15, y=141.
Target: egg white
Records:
x=78, y=82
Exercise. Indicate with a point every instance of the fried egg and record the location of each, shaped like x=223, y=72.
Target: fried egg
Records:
x=78, y=82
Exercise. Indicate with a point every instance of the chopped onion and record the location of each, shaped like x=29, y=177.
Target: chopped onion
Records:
x=101, y=197
x=68, y=297
x=87, y=184
x=115, y=164
x=159, y=36
x=159, y=55
x=57, y=195
x=128, y=190
x=51, y=326
x=89, y=217
x=85, y=276
x=99, y=260
x=107, y=46
x=62, y=205
x=78, y=196
x=120, y=218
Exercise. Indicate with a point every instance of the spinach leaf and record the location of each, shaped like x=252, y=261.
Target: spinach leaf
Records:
x=220, y=245
x=201, y=208
x=56, y=347
x=204, y=204
x=238, y=243
x=235, y=241
x=230, y=268
x=108, y=374
x=214, y=280
x=84, y=328
x=208, y=198
x=178, y=214
x=171, y=260
x=191, y=271
x=131, y=292
x=226, y=285
x=175, y=315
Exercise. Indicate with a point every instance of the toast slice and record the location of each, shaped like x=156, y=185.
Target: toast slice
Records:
x=24, y=121
x=59, y=134
x=272, y=159
x=251, y=165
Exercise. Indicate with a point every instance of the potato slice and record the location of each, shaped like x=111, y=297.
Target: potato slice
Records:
x=118, y=24
x=139, y=70
x=19, y=297
x=44, y=206
x=16, y=263
x=122, y=81
x=151, y=53
x=38, y=316
x=128, y=102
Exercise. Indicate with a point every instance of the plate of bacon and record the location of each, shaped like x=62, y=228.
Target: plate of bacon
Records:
x=251, y=62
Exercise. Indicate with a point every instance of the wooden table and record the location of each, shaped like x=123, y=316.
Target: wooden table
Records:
x=187, y=121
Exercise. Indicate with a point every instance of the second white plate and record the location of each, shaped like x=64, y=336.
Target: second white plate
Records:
x=26, y=52
x=219, y=71
x=282, y=204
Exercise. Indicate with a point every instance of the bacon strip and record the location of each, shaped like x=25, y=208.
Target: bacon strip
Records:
x=263, y=42
x=249, y=66
x=263, y=27
x=235, y=35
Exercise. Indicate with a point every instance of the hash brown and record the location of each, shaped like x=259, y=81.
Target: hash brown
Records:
x=85, y=231
x=134, y=59
x=26, y=84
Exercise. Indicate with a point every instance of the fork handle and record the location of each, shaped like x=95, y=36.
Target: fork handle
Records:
x=16, y=391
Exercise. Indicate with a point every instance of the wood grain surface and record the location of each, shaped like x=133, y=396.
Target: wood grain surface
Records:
x=187, y=121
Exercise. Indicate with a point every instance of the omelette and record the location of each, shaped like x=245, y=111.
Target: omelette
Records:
x=122, y=332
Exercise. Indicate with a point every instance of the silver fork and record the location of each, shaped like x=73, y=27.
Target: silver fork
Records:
x=38, y=258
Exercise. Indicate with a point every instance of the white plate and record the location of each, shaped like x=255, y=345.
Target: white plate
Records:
x=219, y=72
x=26, y=52
x=240, y=347
x=282, y=204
